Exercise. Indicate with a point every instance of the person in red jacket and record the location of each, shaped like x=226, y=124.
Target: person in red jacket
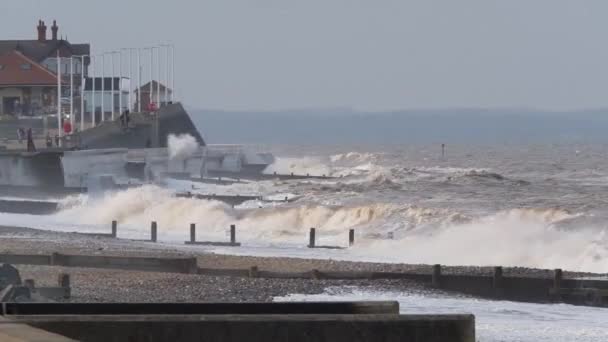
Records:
x=67, y=127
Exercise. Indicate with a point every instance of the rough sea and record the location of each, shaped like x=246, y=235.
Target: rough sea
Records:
x=534, y=203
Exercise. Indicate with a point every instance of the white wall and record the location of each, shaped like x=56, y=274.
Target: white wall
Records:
x=107, y=96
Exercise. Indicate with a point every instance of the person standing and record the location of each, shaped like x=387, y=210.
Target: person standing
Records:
x=20, y=135
x=67, y=127
x=30, y=141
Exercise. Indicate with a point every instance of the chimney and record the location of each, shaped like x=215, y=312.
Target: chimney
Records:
x=41, y=31
x=54, y=28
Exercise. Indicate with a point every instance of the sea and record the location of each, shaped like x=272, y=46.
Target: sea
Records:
x=515, y=195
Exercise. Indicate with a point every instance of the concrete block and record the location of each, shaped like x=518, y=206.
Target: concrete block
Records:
x=9, y=275
x=254, y=328
x=25, y=259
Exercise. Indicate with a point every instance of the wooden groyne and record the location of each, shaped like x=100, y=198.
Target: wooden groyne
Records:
x=494, y=285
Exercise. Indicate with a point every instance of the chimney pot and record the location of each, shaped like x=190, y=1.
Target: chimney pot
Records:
x=41, y=31
x=54, y=28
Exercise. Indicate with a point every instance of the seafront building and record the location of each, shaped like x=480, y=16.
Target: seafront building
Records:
x=100, y=84
x=28, y=72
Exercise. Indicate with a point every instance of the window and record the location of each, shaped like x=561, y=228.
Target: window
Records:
x=26, y=66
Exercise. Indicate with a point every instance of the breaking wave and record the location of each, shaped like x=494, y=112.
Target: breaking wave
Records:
x=299, y=166
x=387, y=232
x=354, y=157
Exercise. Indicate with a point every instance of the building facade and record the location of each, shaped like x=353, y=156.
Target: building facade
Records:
x=28, y=73
x=26, y=87
x=158, y=90
x=113, y=87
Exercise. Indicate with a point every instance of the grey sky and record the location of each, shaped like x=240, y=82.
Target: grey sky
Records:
x=369, y=55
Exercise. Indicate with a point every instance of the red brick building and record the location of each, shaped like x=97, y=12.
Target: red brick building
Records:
x=26, y=67
x=25, y=86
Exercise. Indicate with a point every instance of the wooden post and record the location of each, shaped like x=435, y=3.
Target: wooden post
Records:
x=557, y=283
x=232, y=234
x=114, y=228
x=192, y=232
x=311, y=238
x=351, y=237
x=64, y=281
x=55, y=259
x=153, y=231
x=497, y=281
x=436, y=278
x=29, y=283
x=253, y=272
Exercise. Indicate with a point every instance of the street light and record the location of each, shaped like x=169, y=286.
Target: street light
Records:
x=82, y=89
x=172, y=94
x=72, y=91
x=103, y=86
x=151, y=73
x=112, y=53
x=158, y=82
x=59, y=95
x=93, y=79
x=167, y=73
x=139, y=85
x=130, y=99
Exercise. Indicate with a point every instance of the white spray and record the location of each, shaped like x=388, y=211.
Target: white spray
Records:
x=181, y=146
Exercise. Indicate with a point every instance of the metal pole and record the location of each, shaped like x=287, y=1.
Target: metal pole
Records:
x=130, y=106
x=103, y=86
x=112, y=86
x=158, y=83
x=59, y=95
x=82, y=86
x=72, y=91
x=166, y=75
x=93, y=79
x=119, y=82
x=172, y=94
x=151, y=74
x=139, y=80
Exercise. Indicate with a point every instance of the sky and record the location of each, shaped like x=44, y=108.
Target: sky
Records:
x=360, y=54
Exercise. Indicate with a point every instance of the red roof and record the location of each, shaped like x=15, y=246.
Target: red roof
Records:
x=18, y=70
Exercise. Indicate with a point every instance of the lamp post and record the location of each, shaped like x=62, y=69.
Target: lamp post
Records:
x=130, y=99
x=112, y=53
x=158, y=82
x=72, y=91
x=59, y=95
x=82, y=86
x=167, y=72
x=103, y=86
x=172, y=94
x=150, y=99
x=119, y=82
x=93, y=81
x=139, y=80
